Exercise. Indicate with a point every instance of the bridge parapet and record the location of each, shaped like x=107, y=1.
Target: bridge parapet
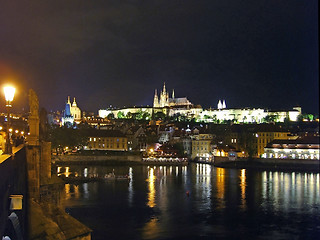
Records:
x=13, y=182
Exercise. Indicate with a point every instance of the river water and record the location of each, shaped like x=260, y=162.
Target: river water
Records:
x=197, y=201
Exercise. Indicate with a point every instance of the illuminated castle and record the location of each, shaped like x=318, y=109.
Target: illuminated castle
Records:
x=165, y=101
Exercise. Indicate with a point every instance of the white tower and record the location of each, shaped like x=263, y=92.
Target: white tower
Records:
x=224, y=104
x=219, y=104
x=155, y=99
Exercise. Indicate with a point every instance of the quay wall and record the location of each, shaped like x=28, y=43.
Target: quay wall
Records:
x=95, y=159
x=269, y=163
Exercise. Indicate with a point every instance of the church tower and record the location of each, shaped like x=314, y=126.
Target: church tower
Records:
x=75, y=111
x=219, y=104
x=67, y=116
x=224, y=104
x=155, y=99
x=74, y=104
x=164, y=97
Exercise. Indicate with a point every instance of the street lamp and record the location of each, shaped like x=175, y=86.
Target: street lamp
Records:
x=9, y=95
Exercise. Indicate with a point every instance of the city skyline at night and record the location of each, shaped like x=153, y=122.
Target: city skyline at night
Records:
x=253, y=54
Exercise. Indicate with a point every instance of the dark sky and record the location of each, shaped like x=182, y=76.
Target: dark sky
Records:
x=251, y=53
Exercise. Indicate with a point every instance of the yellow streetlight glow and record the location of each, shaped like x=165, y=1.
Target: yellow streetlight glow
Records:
x=16, y=131
x=9, y=93
x=22, y=132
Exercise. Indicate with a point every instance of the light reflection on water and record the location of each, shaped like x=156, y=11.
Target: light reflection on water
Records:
x=152, y=190
x=198, y=199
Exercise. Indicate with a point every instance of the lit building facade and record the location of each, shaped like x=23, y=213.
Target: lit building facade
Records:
x=182, y=106
x=301, y=148
x=263, y=138
x=111, y=140
x=247, y=115
x=201, y=146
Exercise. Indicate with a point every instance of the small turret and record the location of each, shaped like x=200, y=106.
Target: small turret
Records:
x=224, y=104
x=155, y=99
x=219, y=104
x=74, y=104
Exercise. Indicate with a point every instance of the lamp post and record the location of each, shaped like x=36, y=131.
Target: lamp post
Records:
x=9, y=95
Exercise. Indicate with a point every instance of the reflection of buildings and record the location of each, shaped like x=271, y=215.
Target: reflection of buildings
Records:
x=297, y=189
x=152, y=190
x=243, y=187
x=220, y=176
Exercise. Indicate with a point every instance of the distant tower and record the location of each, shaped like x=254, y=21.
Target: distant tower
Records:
x=173, y=94
x=224, y=104
x=155, y=99
x=67, y=118
x=75, y=111
x=219, y=104
x=164, y=97
x=74, y=104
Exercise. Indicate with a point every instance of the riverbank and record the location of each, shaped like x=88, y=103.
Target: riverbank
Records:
x=269, y=164
x=223, y=162
x=110, y=160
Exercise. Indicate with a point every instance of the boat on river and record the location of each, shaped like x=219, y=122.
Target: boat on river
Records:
x=112, y=176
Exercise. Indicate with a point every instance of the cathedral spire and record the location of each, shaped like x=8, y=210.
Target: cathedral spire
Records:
x=219, y=104
x=224, y=104
x=74, y=104
x=155, y=99
x=164, y=87
x=173, y=94
x=68, y=100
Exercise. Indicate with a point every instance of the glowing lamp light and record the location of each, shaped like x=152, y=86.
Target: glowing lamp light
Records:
x=10, y=130
x=16, y=131
x=9, y=94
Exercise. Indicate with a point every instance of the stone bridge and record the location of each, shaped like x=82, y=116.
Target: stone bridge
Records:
x=30, y=206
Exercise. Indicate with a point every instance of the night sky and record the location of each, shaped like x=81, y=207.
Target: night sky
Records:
x=250, y=53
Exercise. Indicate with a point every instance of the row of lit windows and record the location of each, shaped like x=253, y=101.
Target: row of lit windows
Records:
x=275, y=134
x=201, y=143
x=107, y=146
x=197, y=148
x=263, y=141
x=105, y=139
